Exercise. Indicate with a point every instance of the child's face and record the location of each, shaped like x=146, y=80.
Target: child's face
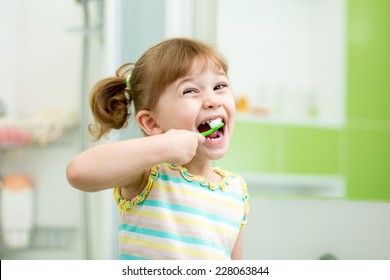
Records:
x=192, y=100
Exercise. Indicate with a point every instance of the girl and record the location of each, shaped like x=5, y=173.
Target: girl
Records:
x=173, y=204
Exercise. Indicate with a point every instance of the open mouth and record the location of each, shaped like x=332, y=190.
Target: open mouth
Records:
x=212, y=129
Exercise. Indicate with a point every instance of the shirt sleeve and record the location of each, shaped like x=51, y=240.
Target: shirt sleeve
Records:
x=125, y=204
x=245, y=200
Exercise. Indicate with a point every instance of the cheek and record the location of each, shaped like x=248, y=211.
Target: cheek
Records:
x=177, y=119
x=186, y=114
x=232, y=104
x=231, y=108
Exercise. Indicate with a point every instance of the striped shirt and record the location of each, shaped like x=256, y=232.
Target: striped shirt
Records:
x=182, y=216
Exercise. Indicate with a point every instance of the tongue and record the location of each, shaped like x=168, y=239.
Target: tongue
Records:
x=215, y=134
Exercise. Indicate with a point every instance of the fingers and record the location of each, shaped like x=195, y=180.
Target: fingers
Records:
x=183, y=145
x=201, y=138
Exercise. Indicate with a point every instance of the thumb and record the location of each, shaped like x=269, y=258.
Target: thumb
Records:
x=201, y=138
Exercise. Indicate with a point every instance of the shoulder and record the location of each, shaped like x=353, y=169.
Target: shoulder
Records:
x=238, y=178
x=234, y=181
x=233, y=177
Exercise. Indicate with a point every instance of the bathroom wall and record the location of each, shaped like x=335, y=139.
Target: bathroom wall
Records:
x=292, y=69
x=38, y=53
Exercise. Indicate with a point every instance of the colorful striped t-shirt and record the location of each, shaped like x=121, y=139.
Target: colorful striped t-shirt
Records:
x=181, y=216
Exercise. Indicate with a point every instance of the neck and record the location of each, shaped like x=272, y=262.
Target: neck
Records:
x=202, y=168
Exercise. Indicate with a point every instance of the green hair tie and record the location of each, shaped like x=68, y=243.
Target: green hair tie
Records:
x=127, y=82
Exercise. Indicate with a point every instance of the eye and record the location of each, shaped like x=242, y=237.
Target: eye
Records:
x=220, y=86
x=189, y=91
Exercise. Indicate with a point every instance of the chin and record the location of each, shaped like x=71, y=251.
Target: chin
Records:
x=216, y=154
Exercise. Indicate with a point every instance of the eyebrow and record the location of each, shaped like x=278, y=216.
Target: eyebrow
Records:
x=185, y=79
x=192, y=77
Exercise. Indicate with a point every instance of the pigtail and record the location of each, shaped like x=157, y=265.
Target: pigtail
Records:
x=110, y=99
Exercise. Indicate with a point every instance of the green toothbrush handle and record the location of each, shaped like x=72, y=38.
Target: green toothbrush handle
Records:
x=212, y=130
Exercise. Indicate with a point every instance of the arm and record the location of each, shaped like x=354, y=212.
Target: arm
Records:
x=125, y=163
x=237, y=249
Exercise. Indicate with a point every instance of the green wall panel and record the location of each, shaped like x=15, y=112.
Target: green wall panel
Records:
x=312, y=150
x=368, y=59
x=258, y=147
x=368, y=100
x=368, y=170
x=252, y=149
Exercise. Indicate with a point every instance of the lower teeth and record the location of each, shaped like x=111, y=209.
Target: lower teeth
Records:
x=216, y=138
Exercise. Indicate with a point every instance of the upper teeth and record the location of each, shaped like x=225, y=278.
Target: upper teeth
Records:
x=213, y=123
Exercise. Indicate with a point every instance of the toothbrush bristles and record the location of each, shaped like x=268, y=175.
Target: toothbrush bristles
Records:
x=215, y=122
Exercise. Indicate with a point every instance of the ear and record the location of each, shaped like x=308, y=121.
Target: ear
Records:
x=147, y=122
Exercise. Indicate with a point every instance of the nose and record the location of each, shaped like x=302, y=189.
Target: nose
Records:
x=212, y=100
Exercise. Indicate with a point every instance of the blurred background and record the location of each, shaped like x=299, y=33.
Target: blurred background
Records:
x=312, y=133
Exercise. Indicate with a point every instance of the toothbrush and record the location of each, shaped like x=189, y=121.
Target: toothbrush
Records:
x=215, y=125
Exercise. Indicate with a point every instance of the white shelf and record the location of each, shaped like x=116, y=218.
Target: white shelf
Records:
x=295, y=184
x=38, y=130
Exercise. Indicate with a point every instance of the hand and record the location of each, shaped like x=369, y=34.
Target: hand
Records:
x=182, y=145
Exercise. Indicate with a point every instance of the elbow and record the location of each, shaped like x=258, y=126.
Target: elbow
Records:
x=76, y=177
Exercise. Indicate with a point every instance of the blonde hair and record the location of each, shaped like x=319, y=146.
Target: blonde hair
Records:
x=157, y=68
